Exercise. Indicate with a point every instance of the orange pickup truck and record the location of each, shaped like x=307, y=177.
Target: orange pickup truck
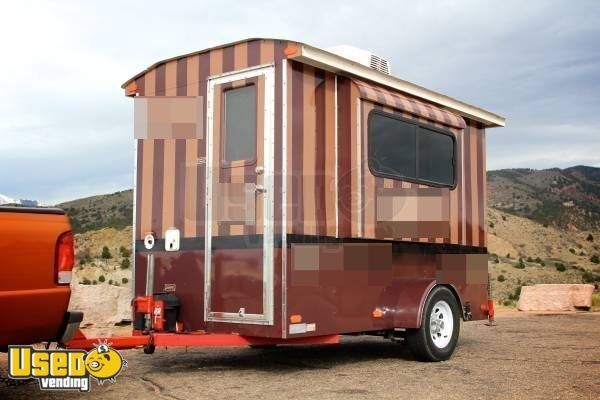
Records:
x=36, y=259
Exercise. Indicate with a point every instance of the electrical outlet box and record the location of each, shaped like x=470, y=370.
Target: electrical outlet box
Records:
x=172, y=239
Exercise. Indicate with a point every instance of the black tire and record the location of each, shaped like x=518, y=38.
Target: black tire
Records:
x=420, y=341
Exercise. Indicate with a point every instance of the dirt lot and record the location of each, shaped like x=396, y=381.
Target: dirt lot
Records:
x=524, y=356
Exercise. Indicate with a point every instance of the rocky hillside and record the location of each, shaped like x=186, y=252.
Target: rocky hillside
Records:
x=566, y=198
x=103, y=257
x=524, y=252
x=113, y=210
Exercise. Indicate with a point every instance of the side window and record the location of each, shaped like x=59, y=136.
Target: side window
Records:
x=436, y=157
x=392, y=146
x=401, y=149
x=239, y=124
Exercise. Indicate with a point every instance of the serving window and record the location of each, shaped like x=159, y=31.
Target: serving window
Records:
x=407, y=150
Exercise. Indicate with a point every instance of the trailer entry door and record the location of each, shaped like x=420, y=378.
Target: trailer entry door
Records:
x=238, y=284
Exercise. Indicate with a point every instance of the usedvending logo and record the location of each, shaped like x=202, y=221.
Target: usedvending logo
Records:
x=65, y=369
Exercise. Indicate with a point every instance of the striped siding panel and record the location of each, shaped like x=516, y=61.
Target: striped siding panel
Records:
x=176, y=165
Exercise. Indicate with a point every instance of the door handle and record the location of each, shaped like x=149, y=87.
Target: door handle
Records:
x=260, y=189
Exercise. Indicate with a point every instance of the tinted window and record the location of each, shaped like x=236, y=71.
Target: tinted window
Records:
x=239, y=125
x=436, y=153
x=392, y=146
x=407, y=150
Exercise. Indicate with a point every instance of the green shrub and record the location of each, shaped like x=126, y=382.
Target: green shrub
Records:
x=516, y=294
x=106, y=253
x=572, y=251
x=590, y=277
x=501, y=278
x=529, y=259
x=538, y=260
x=595, y=259
x=125, y=252
x=85, y=281
x=110, y=282
x=560, y=267
x=589, y=238
x=101, y=278
x=520, y=264
x=507, y=255
x=507, y=303
x=124, y=280
x=491, y=224
x=94, y=282
x=125, y=263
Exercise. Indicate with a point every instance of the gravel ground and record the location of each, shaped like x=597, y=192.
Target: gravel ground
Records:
x=526, y=355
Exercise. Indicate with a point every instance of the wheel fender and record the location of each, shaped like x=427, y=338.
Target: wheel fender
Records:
x=403, y=301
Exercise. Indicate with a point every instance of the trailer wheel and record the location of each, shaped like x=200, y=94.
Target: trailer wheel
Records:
x=436, y=339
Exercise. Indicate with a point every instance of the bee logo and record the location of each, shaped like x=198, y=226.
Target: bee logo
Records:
x=104, y=363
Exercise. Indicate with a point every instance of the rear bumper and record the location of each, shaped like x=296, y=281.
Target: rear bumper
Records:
x=70, y=326
x=33, y=316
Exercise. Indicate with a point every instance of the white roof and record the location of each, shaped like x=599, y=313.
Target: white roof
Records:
x=335, y=63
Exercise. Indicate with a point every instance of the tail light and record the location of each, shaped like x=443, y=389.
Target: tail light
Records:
x=65, y=258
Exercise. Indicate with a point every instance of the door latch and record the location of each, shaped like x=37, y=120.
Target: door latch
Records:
x=260, y=189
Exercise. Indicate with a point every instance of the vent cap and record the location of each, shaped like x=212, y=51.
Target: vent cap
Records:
x=362, y=56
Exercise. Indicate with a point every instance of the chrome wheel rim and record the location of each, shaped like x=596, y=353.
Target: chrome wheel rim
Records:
x=441, y=324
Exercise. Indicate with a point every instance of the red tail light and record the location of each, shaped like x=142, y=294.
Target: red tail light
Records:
x=65, y=258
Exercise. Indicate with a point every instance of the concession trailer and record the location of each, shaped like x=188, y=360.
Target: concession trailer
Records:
x=286, y=194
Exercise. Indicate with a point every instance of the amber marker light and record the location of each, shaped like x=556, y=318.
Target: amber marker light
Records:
x=295, y=319
x=131, y=89
x=290, y=51
x=377, y=313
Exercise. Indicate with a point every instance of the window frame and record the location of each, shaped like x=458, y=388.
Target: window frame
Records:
x=418, y=125
x=238, y=163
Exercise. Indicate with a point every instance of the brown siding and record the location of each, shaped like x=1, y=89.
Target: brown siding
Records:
x=178, y=165
x=311, y=151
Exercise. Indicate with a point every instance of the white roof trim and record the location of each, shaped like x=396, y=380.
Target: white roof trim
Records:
x=334, y=63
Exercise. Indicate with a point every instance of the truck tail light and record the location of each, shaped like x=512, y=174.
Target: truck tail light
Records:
x=65, y=258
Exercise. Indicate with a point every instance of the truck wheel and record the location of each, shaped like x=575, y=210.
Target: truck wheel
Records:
x=436, y=339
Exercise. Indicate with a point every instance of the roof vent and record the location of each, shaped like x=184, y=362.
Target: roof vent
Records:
x=363, y=57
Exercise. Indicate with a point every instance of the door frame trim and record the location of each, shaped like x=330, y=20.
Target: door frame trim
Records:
x=266, y=318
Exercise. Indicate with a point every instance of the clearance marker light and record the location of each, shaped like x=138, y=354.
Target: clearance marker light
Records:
x=290, y=50
x=295, y=319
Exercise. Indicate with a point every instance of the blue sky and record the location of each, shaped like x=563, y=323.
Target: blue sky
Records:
x=66, y=128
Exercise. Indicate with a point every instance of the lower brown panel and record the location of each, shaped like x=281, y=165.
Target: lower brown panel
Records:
x=413, y=229
x=237, y=281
